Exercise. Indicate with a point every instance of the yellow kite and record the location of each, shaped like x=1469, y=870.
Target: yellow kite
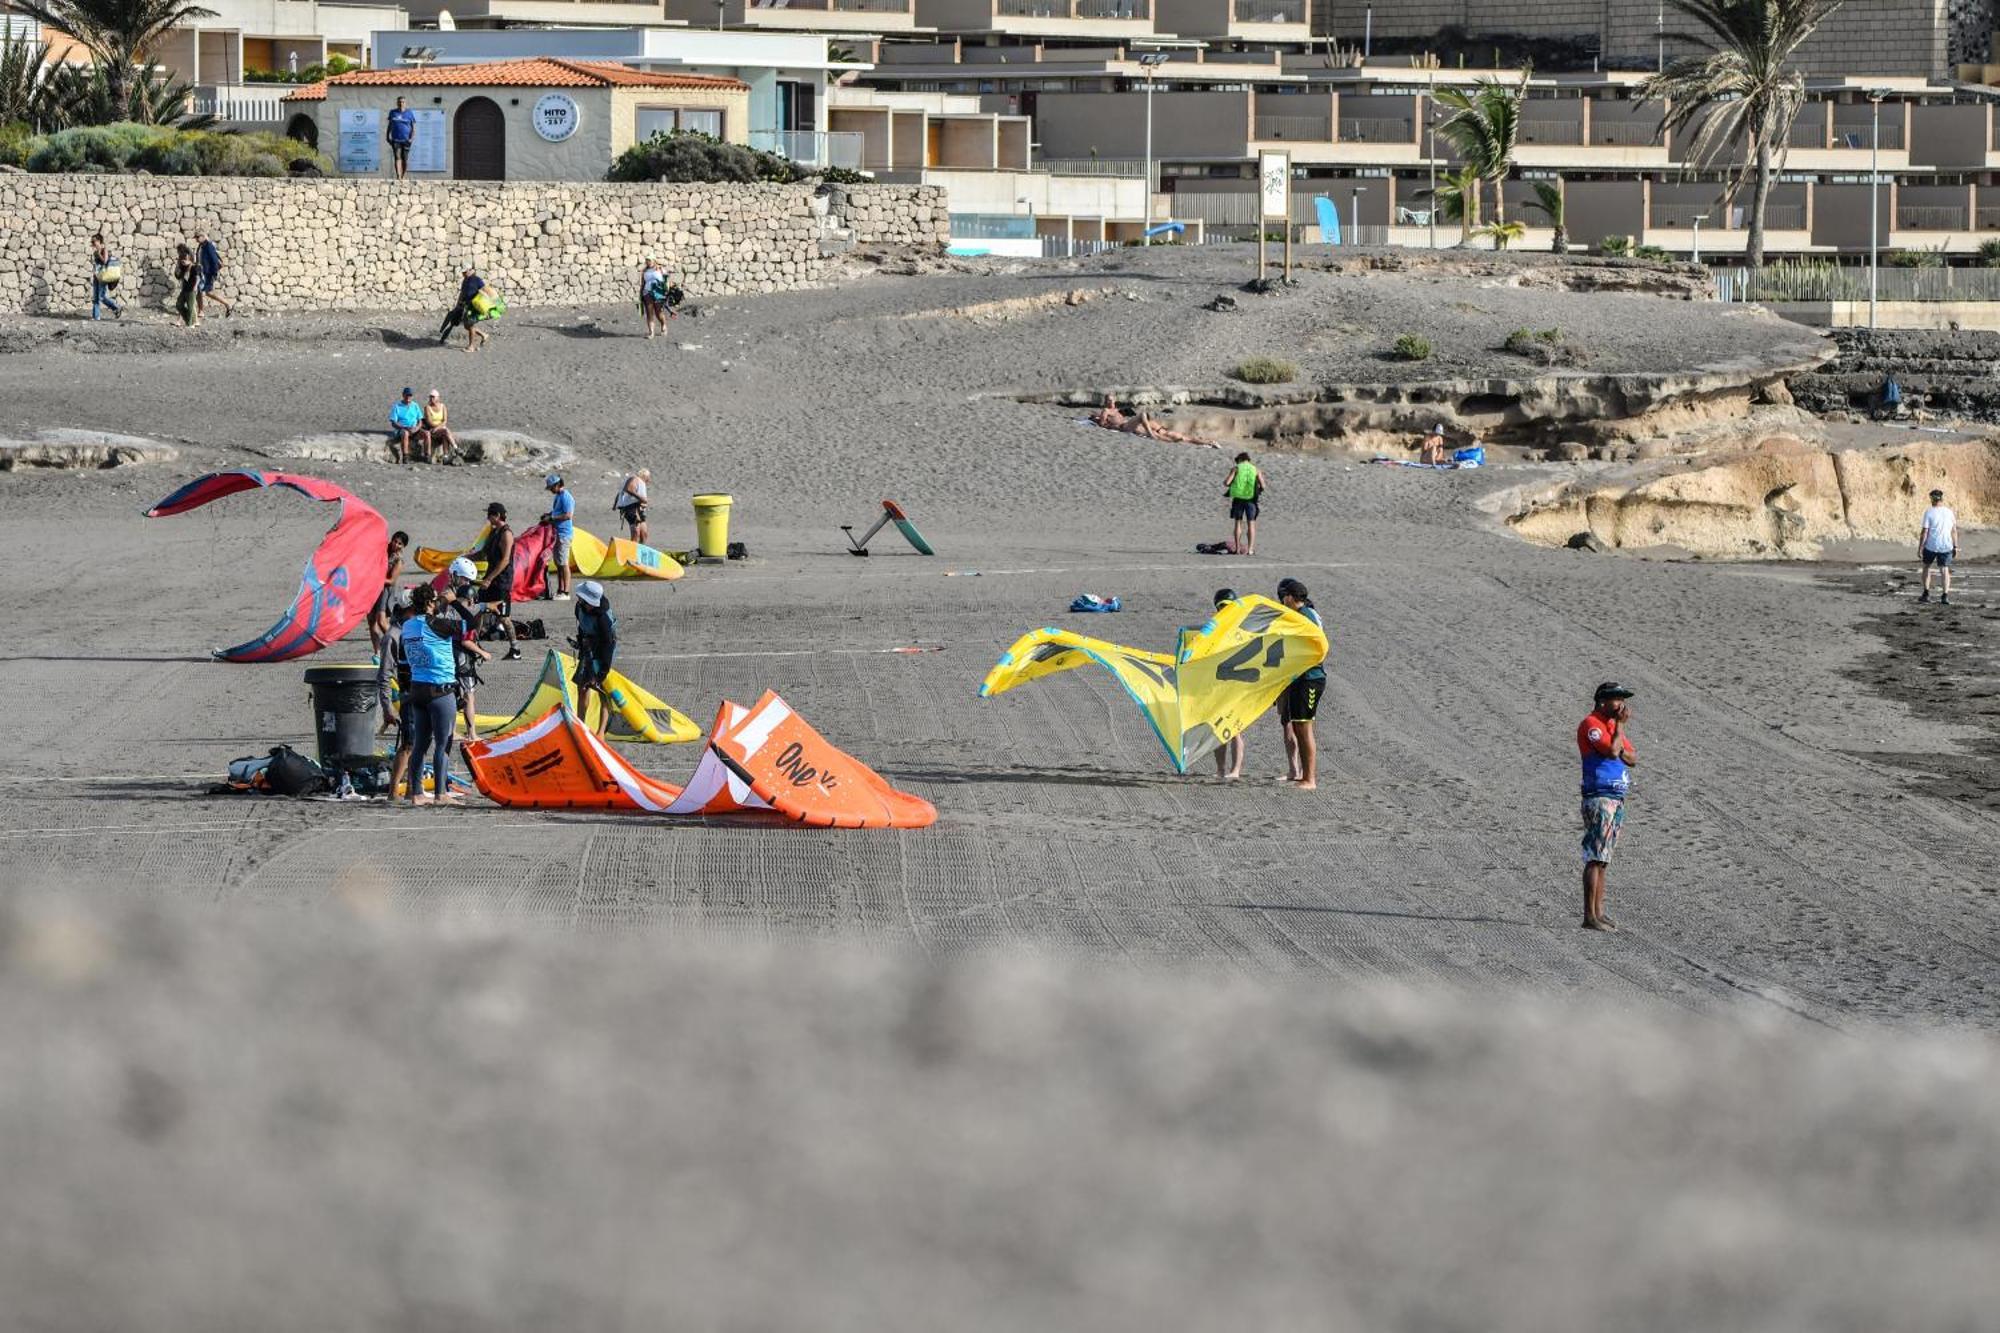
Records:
x=1220, y=678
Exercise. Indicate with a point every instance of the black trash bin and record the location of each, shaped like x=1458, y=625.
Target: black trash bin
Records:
x=343, y=714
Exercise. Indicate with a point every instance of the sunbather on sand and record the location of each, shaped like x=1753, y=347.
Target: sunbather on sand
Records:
x=1112, y=418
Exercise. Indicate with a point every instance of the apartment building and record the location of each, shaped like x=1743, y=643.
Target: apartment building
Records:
x=220, y=56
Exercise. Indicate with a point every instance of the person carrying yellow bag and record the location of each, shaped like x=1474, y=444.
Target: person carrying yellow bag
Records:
x=105, y=275
x=477, y=303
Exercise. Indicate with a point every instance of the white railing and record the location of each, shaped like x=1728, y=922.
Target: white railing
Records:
x=810, y=148
x=1270, y=11
x=258, y=105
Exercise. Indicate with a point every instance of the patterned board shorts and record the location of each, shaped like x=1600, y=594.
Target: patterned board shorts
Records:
x=1603, y=816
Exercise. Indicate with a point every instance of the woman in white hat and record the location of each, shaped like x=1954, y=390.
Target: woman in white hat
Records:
x=596, y=645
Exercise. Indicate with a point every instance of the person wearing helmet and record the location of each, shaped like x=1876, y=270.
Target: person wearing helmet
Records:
x=1937, y=544
x=1607, y=776
x=461, y=604
x=496, y=590
x=596, y=644
x=562, y=517
x=1229, y=756
x=1299, y=704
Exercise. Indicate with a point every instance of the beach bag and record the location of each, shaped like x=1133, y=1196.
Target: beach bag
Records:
x=486, y=305
x=248, y=773
x=109, y=273
x=1473, y=457
x=673, y=296
x=292, y=774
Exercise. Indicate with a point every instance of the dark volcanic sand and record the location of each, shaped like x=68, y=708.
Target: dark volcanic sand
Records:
x=1111, y=1059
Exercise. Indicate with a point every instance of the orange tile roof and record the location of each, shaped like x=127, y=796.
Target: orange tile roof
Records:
x=536, y=72
x=310, y=92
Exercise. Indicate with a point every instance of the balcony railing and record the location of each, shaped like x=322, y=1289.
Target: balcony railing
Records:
x=1270, y=11
x=1114, y=9
x=1551, y=131
x=1683, y=215
x=840, y=148
x=1986, y=219
x=1807, y=134
x=1777, y=217
x=1862, y=137
x=841, y=6
x=1925, y=217
x=1378, y=131
x=1624, y=133
x=1092, y=166
x=1295, y=129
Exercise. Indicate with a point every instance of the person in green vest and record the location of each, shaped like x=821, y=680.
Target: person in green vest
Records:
x=1246, y=489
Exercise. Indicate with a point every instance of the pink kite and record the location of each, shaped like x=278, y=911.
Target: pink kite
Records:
x=531, y=563
x=342, y=580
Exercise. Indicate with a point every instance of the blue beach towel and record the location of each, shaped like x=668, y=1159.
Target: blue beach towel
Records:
x=1092, y=602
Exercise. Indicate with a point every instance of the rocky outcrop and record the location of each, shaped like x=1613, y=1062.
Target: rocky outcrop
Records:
x=1586, y=415
x=1563, y=273
x=301, y=245
x=1786, y=500
x=1947, y=372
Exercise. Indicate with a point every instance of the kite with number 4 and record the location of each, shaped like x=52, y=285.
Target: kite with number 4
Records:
x=342, y=579
x=1219, y=679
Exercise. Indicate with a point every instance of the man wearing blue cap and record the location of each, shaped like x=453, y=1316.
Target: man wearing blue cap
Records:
x=406, y=424
x=562, y=517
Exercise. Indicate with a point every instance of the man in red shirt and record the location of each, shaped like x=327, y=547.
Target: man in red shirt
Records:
x=1608, y=761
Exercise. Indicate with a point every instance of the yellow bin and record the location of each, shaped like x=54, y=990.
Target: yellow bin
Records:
x=711, y=525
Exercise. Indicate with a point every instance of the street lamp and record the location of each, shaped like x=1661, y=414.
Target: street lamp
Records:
x=1699, y=218
x=1149, y=62
x=1431, y=154
x=1875, y=96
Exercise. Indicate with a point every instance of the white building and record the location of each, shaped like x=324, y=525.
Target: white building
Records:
x=217, y=55
x=788, y=73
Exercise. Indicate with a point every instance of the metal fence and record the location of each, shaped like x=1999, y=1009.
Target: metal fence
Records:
x=809, y=148
x=1551, y=131
x=1816, y=280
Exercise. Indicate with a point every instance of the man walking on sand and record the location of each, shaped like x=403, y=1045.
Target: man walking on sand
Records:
x=208, y=259
x=1937, y=544
x=1608, y=761
x=401, y=134
x=1245, y=492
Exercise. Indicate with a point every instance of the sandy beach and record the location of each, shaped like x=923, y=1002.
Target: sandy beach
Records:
x=1805, y=888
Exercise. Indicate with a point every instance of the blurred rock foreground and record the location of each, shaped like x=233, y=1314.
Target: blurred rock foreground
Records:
x=269, y=1121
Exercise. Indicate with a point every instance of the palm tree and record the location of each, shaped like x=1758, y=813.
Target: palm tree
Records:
x=1503, y=234
x=1548, y=201
x=1457, y=200
x=1741, y=94
x=24, y=83
x=1485, y=126
x=119, y=34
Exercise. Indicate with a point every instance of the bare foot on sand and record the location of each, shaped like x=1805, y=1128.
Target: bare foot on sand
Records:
x=1597, y=923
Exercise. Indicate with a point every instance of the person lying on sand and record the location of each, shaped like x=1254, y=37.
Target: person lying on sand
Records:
x=1112, y=418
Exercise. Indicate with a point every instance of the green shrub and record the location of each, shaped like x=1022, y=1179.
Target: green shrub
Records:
x=686, y=156
x=15, y=142
x=1532, y=342
x=1989, y=253
x=1917, y=259
x=1265, y=370
x=1412, y=347
x=166, y=151
x=1615, y=246
x=1652, y=252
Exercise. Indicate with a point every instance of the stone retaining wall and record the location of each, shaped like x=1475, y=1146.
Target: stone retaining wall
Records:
x=383, y=245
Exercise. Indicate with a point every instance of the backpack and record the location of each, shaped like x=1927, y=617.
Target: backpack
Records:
x=674, y=295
